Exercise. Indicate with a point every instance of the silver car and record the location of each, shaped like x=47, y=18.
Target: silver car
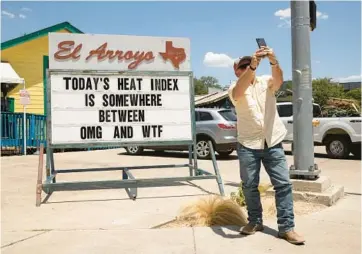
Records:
x=217, y=125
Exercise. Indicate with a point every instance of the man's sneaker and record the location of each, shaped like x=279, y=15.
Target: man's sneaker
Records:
x=251, y=229
x=292, y=237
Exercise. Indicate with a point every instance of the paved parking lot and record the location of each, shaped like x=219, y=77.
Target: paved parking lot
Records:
x=71, y=222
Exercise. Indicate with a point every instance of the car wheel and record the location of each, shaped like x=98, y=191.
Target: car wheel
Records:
x=203, y=149
x=356, y=150
x=225, y=153
x=338, y=147
x=134, y=150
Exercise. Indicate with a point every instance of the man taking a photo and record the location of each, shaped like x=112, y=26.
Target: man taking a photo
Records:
x=260, y=133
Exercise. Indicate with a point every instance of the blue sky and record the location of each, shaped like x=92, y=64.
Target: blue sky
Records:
x=219, y=31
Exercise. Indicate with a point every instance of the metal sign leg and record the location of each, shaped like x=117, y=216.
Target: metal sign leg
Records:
x=132, y=192
x=196, y=169
x=39, y=182
x=190, y=161
x=216, y=169
x=47, y=162
x=52, y=167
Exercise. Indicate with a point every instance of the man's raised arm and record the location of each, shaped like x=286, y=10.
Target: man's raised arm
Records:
x=243, y=82
x=248, y=75
x=277, y=73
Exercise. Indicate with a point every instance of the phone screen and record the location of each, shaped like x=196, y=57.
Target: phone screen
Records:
x=261, y=42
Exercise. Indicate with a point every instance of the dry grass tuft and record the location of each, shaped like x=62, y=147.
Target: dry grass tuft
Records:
x=219, y=211
x=213, y=211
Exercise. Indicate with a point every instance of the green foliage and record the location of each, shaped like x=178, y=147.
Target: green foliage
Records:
x=210, y=81
x=238, y=197
x=287, y=98
x=289, y=85
x=324, y=89
x=200, y=88
x=202, y=84
x=354, y=94
x=339, y=112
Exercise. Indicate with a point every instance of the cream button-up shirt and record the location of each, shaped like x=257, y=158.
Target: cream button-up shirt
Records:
x=258, y=120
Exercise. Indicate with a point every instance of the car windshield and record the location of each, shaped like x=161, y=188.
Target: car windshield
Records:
x=228, y=115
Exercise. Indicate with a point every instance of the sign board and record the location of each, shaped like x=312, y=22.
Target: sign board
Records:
x=118, y=90
x=117, y=108
x=118, y=52
x=24, y=97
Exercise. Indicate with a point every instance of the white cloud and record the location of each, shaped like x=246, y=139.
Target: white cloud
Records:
x=8, y=14
x=353, y=78
x=285, y=16
x=218, y=60
x=317, y=61
x=22, y=16
x=321, y=15
x=26, y=9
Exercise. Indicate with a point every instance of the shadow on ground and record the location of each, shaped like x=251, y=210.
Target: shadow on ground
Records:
x=325, y=156
x=236, y=231
x=176, y=154
x=172, y=154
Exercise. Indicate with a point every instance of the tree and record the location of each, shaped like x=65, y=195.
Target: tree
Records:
x=199, y=87
x=288, y=85
x=210, y=81
x=324, y=89
x=202, y=84
x=354, y=94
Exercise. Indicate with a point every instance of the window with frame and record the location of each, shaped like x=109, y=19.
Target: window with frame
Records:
x=285, y=110
x=205, y=116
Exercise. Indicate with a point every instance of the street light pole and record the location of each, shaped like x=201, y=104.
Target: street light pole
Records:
x=303, y=140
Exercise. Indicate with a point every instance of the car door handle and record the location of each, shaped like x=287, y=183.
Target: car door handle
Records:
x=355, y=121
x=290, y=122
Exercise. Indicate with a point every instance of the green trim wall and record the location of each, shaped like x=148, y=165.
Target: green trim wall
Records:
x=45, y=67
x=37, y=34
x=11, y=105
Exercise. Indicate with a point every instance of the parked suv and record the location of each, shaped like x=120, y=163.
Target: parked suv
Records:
x=217, y=125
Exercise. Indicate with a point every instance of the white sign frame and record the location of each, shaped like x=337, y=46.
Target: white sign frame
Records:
x=117, y=52
x=122, y=144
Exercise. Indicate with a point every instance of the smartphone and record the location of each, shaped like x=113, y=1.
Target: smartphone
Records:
x=261, y=42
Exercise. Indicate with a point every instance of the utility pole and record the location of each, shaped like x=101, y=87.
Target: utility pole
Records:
x=303, y=140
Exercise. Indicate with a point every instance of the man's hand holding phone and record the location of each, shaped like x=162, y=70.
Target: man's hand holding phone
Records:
x=256, y=58
x=270, y=54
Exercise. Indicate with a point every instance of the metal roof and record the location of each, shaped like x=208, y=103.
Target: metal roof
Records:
x=198, y=97
x=210, y=98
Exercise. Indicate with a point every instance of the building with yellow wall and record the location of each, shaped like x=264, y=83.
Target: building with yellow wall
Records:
x=28, y=56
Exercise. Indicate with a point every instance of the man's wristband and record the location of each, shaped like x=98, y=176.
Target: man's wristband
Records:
x=251, y=68
x=276, y=62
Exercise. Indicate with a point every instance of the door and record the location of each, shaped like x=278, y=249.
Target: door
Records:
x=355, y=123
x=286, y=115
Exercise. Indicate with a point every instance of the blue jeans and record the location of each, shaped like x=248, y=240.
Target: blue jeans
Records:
x=275, y=164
